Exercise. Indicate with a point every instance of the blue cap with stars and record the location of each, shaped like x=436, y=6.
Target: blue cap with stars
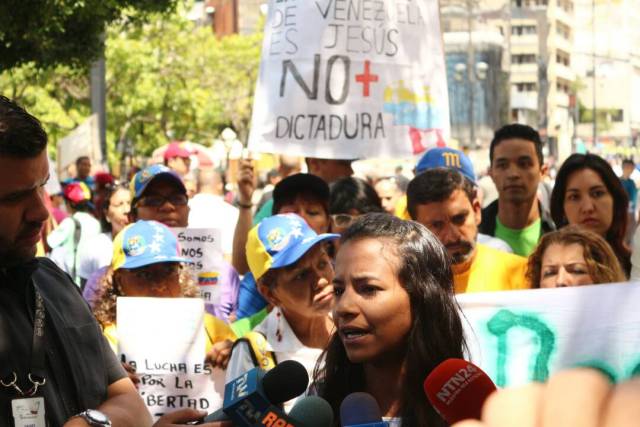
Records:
x=144, y=243
x=279, y=241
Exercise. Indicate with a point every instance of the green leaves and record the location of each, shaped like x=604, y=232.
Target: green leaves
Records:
x=166, y=78
x=50, y=33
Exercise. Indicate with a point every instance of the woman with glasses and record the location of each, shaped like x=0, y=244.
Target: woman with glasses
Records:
x=147, y=263
x=156, y=193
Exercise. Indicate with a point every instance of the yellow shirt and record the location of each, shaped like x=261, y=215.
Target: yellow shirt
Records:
x=401, y=208
x=491, y=270
x=215, y=328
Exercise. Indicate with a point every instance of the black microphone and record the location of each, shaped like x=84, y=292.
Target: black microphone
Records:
x=360, y=410
x=312, y=411
x=251, y=396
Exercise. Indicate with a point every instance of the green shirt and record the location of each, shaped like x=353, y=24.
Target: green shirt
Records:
x=264, y=212
x=522, y=241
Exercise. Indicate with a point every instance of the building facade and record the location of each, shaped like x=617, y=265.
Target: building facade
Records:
x=538, y=41
x=607, y=36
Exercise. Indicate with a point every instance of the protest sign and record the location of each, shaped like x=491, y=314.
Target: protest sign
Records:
x=164, y=339
x=347, y=79
x=521, y=336
x=82, y=141
x=202, y=246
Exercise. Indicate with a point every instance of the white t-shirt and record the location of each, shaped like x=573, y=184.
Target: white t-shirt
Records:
x=94, y=254
x=61, y=241
x=289, y=348
x=211, y=211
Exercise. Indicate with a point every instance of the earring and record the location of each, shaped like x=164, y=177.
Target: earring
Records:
x=278, y=332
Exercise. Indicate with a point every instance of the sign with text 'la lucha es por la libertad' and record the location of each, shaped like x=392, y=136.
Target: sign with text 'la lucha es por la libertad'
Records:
x=348, y=79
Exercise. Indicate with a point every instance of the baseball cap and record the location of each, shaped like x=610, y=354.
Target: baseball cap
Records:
x=280, y=240
x=142, y=179
x=445, y=157
x=77, y=192
x=144, y=243
x=103, y=178
x=176, y=149
x=296, y=184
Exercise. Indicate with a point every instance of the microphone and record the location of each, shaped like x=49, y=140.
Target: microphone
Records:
x=457, y=389
x=360, y=410
x=255, y=394
x=312, y=411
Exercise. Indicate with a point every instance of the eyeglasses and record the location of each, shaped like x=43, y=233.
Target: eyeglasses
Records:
x=343, y=220
x=157, y=201
x=157, y=273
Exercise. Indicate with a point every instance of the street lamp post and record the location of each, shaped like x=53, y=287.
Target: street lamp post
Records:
x=473, y=73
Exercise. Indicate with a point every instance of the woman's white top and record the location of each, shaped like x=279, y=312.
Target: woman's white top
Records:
x=288, y=348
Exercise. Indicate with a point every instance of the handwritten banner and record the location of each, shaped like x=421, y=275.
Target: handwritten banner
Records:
x=348, y=79
x=164, y=339
x=202, y=246
x=523, y=336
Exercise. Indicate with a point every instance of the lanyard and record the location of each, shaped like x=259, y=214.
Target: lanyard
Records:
x=36, y=376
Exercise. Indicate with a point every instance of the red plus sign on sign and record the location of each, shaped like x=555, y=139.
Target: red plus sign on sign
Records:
x=366, y=78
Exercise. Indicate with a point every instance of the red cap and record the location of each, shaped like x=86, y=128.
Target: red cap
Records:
x=175, y=149
x=77, y=192
x=457, y=389
x=103, y=178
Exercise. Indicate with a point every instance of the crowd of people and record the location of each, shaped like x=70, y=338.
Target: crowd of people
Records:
x=354, y=278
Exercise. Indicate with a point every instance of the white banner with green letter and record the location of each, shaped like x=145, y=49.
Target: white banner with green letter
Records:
x=521, y=336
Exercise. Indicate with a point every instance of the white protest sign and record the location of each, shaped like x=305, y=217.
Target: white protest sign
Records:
x=164, y=339
x=520, y=336
x=82, y=141
x=347, y=79
x=202, y=246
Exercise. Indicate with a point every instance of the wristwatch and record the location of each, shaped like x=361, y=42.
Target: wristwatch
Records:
x=95, y=418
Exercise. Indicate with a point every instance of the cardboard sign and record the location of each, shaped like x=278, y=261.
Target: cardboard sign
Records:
x=164, y=339
x=348, y=79
x=82, y=141
x=202, y=246
x=521, y=336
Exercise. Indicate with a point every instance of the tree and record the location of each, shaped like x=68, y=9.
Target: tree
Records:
x=167, y=78
x=48, y=33
x=170, y=79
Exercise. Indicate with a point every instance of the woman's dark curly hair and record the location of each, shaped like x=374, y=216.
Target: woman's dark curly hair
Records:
x=424, y=270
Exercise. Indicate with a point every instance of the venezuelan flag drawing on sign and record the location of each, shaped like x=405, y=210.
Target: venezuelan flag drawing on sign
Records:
x=207, y=279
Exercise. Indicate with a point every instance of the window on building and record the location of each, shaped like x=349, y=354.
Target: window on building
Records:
x=563, y=31
x=617, y=116
x=563, y=87
x=523, y=59
x=563, y=58
x=520, y=30
x=566, y=5
x=525, y=87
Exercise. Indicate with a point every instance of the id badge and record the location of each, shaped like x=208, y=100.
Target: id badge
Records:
x=28, y=412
